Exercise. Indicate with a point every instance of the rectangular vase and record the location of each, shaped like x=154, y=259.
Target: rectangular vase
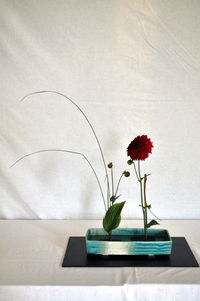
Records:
x=128, y=241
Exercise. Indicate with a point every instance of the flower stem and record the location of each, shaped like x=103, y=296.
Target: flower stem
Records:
x=71, y=152
x=112, y=179
x=142, y=196
x=118, y=185
x=86, y=118
x=136, y=171
x=108, y=197
x=145, y=206
x=109, y=203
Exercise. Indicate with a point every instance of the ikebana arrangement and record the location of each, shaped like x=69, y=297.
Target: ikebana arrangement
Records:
x=111, y=240
x=134, y=241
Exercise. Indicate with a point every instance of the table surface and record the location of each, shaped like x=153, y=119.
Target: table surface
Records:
x=31, y=255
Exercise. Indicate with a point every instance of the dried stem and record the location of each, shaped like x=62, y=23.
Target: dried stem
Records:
x=89, y=123
x=66, y=151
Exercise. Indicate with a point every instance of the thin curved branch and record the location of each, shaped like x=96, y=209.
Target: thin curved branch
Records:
x=65, y=151
x=155, y=215
x=86, y=118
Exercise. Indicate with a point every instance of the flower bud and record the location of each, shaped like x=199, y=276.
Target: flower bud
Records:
x=126, y=173
x=130, y=162
x=110, y=165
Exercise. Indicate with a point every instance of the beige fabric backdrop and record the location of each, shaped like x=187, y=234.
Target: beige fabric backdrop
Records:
x=133, y=67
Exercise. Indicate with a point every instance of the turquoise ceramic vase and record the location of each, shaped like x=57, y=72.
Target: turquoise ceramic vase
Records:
x=128, y=241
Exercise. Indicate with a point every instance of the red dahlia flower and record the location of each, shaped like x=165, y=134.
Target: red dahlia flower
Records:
x=140, y=148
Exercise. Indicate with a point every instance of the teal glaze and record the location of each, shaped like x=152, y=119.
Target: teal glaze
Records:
x=122, y=244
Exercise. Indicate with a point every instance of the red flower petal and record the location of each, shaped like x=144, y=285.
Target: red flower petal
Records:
x=140, y=148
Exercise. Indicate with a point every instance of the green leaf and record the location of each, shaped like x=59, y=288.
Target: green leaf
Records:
x=114, y=198
x=153, y=222
x=112, y=217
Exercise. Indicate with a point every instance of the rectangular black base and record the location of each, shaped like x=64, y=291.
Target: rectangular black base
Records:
x=181, y=256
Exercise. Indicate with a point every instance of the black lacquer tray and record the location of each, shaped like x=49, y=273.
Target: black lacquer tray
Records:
x=76, y=256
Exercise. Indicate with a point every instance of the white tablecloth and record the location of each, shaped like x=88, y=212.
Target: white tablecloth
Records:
x=31, y=254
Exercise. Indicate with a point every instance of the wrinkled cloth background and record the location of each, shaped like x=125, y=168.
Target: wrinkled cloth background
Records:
x=134, y=68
